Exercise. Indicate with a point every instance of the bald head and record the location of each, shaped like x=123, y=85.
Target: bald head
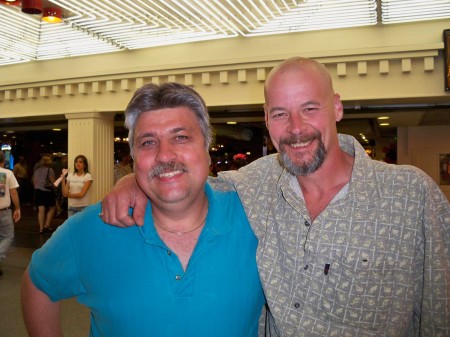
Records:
x=302, y=108
x=301, y=69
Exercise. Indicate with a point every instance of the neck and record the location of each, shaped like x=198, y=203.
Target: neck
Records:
x=321, y=187
x=190, y=221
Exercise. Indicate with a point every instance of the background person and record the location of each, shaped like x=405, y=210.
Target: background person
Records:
x=8, y=193
x=45, y=199
x=20, y=171
x=123, y=166
x=239, y=160
x=75, y=186
x=348, y=246
x=190, y=271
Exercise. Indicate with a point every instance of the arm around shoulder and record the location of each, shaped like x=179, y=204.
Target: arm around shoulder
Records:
x=41, y=315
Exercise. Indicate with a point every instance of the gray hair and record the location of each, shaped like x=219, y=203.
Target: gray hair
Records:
x=151, y=97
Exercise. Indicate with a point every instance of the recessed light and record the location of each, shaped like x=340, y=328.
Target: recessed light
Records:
x=383, y=117
x=56, y=129
x=384, y=124
x=231, y=122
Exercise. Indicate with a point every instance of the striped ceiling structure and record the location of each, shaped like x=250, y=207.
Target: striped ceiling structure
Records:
x=104, y=26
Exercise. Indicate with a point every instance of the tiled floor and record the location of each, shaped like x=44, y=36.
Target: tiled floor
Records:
x=74, y=317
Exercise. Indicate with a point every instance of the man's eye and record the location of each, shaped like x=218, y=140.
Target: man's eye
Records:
x=181, y=137
x=278, y=115
x=148, y=143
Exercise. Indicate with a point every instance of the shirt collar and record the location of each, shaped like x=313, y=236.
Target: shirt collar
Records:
x=348, y=144
x=214, y=224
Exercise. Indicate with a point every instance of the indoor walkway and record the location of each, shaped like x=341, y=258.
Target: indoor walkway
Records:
x=75, y=318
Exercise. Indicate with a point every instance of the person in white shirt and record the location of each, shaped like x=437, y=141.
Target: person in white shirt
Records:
x=76, y=186
x=8, y=193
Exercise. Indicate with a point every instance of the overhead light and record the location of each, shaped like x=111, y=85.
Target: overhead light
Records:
x=56, y=129
x=384, y=124
x=231, y=122
x=383, y=117
x=32, y=6
x=10, y=2
x=52, y=15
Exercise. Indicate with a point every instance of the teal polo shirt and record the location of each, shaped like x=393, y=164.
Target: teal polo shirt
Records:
x=135, y=286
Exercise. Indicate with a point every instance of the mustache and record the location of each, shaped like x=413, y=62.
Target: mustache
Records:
x=292, y=139
x=161, y=168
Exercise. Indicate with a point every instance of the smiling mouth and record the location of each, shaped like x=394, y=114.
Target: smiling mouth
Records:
x=167, y=170
x=300, y=144
x=170, y=174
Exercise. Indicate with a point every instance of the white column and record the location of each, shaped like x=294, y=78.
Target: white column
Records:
x=92, y=135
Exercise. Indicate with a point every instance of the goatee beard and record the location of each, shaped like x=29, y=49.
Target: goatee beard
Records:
x=304, y=168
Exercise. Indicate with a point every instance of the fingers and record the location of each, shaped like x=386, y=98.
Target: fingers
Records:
x=116, y=213
x=139, y=208
x=126, y=194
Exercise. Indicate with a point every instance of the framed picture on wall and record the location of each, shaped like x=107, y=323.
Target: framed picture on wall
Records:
x=447, y=58
x=444, y=164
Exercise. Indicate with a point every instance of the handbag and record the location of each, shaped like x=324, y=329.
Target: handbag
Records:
x=48, y=185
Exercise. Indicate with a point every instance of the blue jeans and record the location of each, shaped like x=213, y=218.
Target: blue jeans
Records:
x=74, y=210
x=6, y=232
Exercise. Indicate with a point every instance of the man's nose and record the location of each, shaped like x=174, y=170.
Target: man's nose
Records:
x=297, y=123
x=166, y=152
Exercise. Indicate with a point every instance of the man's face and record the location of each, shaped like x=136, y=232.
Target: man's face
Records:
x=301, y=114
x=170, y=159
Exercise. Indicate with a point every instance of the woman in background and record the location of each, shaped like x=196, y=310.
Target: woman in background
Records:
x=45, y=199
x=76, y=186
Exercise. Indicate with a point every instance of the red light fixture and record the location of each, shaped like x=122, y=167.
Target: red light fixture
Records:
x=32, y=6
x=10, y=3
x=52, y=15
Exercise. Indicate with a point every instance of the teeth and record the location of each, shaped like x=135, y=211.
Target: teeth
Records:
x=303, y=144
x=169, y=174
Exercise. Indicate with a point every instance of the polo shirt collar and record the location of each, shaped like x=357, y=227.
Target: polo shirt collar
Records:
x=214, y=220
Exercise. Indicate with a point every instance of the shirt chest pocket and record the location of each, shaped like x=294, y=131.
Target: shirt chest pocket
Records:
x=358, y=293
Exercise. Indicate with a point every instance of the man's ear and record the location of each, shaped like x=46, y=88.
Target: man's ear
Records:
x=338, y=107
x=266, y=115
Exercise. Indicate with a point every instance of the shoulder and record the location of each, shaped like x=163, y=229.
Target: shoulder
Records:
x=222, y=198
x=403, y=178
x=6, y=172
x=82, y=223
x=87, y=176
x=255, y=172
x=394, y=170
x=225, y=208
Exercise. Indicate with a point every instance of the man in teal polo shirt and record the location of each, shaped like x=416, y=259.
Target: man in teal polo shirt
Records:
x=189, y=271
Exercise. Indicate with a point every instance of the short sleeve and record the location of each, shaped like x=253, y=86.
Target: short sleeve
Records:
x=54, y=267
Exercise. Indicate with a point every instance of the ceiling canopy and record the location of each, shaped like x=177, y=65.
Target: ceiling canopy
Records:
x=103, y=26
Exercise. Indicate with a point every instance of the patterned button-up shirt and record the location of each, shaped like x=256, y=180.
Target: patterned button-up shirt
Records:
x=374, y=262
